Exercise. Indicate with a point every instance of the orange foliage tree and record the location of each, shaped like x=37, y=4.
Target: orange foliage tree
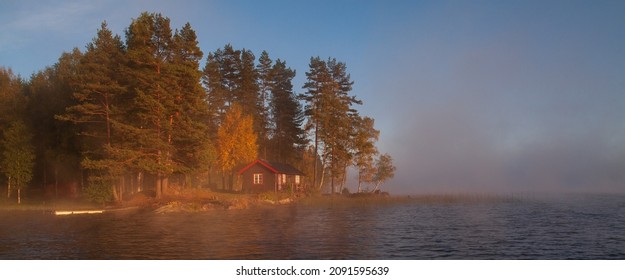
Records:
x=236, y=141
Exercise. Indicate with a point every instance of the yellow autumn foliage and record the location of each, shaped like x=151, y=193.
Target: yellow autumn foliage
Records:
x=236, y=140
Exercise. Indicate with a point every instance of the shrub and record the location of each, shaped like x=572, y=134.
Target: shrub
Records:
x=99, y=192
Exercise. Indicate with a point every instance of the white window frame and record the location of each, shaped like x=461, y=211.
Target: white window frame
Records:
x=258, y=178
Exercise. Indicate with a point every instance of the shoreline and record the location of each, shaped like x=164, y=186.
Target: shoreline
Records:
x=202, y=200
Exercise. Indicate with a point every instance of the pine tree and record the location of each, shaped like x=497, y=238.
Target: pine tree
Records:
x=318, y=82
x=190, y=120
x=230, y=76
x=97, y=86
x=12, y=99
x=330, y=113
x=212, y=80
x=264, y=75
x=98, y=96
x=287, y=135
x=149, y=52
x=263, y=70
x=229, y=61
x=247, y=94
x=57, y=147
x=344, y=117
x=222, y=78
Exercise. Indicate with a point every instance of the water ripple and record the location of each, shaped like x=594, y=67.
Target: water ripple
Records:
x=577, y=227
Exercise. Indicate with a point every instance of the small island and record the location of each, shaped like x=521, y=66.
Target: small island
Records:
x=152, y=113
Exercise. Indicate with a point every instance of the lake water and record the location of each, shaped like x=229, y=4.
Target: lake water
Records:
x=565, y=227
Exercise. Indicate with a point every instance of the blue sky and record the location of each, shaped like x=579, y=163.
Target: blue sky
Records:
x=509, y=96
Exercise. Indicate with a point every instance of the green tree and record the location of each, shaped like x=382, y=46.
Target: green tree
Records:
x=190, y=120
x=247, y=93
x=287, y=135
x=230, y=76
x=263, y=70
x=18, y=157
x=12, y=100
x=97, y=108
x=224, y=78
x=57, y=147
x=12, y=104
x=330, y=113
x=236, y=141
x=317, y=87
x=149, y=51
x=212, y=79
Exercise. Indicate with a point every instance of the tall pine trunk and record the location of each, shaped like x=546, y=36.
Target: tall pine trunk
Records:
x=19, y=191
x=359, y=180
x=315, y=157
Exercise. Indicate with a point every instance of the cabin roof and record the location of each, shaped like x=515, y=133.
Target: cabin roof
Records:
x=274, y=167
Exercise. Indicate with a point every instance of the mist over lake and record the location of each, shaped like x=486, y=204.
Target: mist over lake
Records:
x=571, y=226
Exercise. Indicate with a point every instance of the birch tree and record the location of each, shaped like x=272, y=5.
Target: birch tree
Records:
x=384, y=170
x=364, y=149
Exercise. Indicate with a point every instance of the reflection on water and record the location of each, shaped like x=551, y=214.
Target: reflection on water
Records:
x=577, y=227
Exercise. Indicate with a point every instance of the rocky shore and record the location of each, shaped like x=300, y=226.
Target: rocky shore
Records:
x=201, y=206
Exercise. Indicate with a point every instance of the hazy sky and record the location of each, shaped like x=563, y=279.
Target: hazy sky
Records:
x=512, y=96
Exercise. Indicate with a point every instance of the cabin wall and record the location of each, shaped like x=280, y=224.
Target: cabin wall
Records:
x=289, y=183
x=247, y=178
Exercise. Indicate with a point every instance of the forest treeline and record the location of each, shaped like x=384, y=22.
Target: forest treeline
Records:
x=146, y=113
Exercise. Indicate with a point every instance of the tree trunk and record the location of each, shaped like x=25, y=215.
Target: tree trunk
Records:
x=344, y=178
x=223, y=180
x=122, y=185
x=323, y=173
x=56, y=182
x=332, y=175
x=139, y=181
x=210, y=176
x=315, y=159
x=19, y=196
x=159, y=185
x=359, y=180
x=9, y=188
x=115, y=195
x=377, y=186
x=164, y=184
x=107, y=119
x=230, y=182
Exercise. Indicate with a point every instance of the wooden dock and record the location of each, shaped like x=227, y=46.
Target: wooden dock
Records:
x=76, y=212
x=97, y=211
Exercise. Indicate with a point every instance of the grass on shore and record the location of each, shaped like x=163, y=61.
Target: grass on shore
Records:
x=202, y=198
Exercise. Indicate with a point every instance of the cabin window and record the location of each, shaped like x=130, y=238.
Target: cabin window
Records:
x=297, y=179
x=258, y=178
